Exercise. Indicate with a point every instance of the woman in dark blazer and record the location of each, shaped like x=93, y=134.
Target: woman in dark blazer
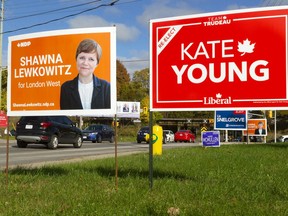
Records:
x=86, y=91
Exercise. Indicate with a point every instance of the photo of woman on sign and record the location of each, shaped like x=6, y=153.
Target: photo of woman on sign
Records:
x=86, y=91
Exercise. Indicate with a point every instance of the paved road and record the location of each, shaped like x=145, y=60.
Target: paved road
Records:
x=35, y=155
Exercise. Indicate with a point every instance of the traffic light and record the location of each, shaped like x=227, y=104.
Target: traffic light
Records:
x=270, y=114
x=113, y=123
x=145, y=110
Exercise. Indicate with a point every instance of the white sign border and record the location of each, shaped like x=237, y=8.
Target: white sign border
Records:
x=78, y=112
x=152, y=108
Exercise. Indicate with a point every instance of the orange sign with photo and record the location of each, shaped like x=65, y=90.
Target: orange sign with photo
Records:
x=256, y=127
x=40, y=63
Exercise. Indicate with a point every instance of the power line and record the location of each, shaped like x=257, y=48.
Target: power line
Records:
x=61, y=18
x=136, y=60
x=51, y=11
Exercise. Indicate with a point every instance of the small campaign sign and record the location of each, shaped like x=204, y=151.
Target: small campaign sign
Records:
x=256, y=127
x=220, y=60
x=3, y=119
x=230, y=119
x=128, y=109
x=211, y=139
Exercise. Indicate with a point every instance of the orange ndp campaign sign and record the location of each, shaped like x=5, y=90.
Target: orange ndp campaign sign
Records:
x=256, y=127
x=40, y=63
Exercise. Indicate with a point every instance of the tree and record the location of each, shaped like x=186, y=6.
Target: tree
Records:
x=4, y=90
x=141, y=78
x=138, y=88
x=123, y=81
x=134, y=90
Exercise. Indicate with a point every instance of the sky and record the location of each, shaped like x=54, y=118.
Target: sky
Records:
x=131, y=18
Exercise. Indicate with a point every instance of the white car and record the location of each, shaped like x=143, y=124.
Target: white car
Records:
x=169, y=135
x=283, y=138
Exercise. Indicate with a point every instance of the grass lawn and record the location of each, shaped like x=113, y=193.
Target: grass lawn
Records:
x=231, y=180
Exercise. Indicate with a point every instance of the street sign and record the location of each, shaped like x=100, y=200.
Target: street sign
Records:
x=221, y=60
x=203, y=129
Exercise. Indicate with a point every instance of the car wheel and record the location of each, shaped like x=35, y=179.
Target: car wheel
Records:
x=78, y=142
x=164, y=140
x=99, y=139
x=93, y=141
x=138, y=141
x=21, y=144
x=286, y=140
x=112, y=140
x=53, y=144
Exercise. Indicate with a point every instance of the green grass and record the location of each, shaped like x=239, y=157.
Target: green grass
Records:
x=230, y=180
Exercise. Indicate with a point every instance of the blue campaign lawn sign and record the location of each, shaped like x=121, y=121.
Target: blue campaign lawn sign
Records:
x=230, y=119
x=211, y=139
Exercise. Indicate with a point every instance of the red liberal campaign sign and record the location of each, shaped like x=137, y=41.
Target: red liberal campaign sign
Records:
x=233, y=59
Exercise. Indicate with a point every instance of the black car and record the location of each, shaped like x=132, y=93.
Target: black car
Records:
x=98, y=133
x=47, y=130
x=141, y=135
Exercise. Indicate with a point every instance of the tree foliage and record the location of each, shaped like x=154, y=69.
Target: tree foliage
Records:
x=142, y=79
x=123, y=81
x=132, y=90
x=4, y=89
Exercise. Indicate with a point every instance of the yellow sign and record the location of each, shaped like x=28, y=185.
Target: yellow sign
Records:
x=203, y=129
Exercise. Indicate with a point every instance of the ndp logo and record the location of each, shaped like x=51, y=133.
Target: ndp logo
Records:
x=24, y=44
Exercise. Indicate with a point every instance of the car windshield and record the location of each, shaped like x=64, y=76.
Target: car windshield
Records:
x=145, y=129
x=32, y=119
x=94, y=127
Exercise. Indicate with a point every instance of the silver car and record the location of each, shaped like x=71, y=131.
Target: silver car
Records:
x=169, y=135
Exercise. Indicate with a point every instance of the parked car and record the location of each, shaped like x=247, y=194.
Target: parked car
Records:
x=47, y=130
x=141, y=135
x=169, y=135
x=184, y=136
x=98, y=133
x=282, y=138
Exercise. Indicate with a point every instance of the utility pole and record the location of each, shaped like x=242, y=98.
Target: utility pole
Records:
x=1, y=39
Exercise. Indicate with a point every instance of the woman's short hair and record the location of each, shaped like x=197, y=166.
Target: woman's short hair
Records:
x=89, y=46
